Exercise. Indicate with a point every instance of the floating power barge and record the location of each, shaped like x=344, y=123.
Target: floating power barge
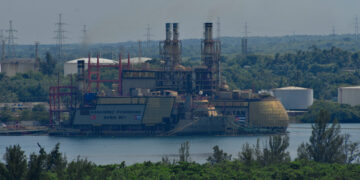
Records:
x=164, y=101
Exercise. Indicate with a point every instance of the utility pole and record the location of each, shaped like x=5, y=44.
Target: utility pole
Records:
x=60, y=37
x=11, y=40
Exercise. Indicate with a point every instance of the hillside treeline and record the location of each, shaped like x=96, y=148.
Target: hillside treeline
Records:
x=322, y=70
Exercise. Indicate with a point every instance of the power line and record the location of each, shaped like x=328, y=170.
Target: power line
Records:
x=11, y=40
x=60, y=36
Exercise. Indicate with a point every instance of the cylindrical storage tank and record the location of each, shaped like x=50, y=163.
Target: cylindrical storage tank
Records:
x=294, y=98
x=349, y=95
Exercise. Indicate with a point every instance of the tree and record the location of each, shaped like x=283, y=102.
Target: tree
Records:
x=218, y=156
x=15, y=159
x=276, y=151
x=184, y=154
x=37, y=164
x=56, y=162
x=326, y=142
x=79, y=169
x=48, y=66
x=247, y=155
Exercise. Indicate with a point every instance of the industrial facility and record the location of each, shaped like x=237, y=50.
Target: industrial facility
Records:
x=349, y=95
x=161, y=101
x=294, y=98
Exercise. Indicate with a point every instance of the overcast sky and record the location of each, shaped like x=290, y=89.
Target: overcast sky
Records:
x=124, y=20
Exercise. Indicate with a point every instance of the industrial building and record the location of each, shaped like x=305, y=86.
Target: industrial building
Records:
x=349, y=95
x=165, y=100
x=294, y=98
x=70, y=67
x=19, y=65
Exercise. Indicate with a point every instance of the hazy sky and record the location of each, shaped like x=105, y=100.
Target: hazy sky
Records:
x=123, y=20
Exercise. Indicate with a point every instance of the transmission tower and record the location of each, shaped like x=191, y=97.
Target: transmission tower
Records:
x=36, y=50
x=139, y=51
x=244, y=41
x=218, y=28
x=333, y=32
x=60, y=37
x=11, y=41
x=356, y=28
x=148, y=36
x=84, y=32
x=2, y=39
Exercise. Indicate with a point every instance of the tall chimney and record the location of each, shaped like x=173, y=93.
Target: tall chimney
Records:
x=208, y=31
x=175, y=31
x=176, y=49
x=168, y=31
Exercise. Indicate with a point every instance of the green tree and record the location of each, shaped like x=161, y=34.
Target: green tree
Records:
x=218, y=156
x=16, y=163
x=37, y=164
x=276, y=152
x=56, y=161
x=80, y=169
x=48, y=66
x=184, y=155
x=326, y=142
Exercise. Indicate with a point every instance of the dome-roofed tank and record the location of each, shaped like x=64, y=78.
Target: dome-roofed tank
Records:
x=268, y=113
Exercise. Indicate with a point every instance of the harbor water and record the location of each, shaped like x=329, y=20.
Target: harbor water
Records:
x=110, y=150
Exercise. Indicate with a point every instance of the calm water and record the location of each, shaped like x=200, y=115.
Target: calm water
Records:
x=108, y=150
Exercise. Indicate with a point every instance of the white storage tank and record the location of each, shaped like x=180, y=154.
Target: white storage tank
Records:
x=349, y=95
x=294, y=98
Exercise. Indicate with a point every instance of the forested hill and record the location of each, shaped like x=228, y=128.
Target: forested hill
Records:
x=191, y=47
x=322, y=70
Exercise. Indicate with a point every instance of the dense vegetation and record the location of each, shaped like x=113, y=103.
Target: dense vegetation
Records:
x=322, y=70
x=343, y=113
x=327, y=155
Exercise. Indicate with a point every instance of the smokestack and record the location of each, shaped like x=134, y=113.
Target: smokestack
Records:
x=175, y=31
x=168, y=31
x=208, y=31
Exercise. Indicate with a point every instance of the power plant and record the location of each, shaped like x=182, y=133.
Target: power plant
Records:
x=161, y=101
